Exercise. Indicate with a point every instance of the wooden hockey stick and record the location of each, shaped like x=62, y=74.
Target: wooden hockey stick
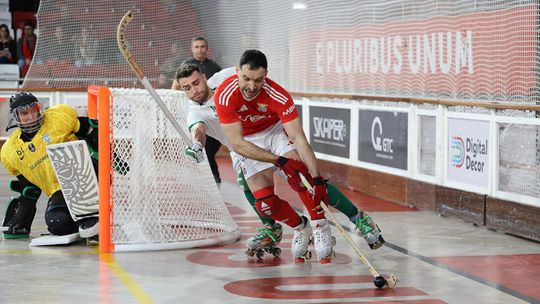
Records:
x=389, y=280
x=122, y=45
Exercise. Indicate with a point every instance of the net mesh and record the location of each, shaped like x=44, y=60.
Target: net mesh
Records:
x=486, y=50
x=160, y=198
x=481, y=50
x=519, y=171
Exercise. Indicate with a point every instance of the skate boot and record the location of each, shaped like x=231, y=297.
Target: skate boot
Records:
x=370, y=231
x=88, y=227
x=323, y=241
x=266, y=240
x=300, y=242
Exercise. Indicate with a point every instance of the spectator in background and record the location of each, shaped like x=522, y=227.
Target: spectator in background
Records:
x=26, y=45
x=63, y=46
x=88, y=48
x=167, y=72
x=208, y=67
x=199, y=50
x=8, y=49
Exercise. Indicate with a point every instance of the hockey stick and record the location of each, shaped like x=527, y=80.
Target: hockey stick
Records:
x=122, y=45
x=380, y=281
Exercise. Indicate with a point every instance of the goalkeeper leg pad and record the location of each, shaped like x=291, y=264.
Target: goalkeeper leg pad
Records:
x=18, y=219
x=57, y=216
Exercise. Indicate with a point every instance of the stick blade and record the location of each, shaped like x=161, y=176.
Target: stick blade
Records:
x=391, y=280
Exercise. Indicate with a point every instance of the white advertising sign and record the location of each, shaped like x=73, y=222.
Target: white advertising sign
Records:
x=468, y=153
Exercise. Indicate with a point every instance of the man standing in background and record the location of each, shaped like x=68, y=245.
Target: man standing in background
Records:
x=199, y=50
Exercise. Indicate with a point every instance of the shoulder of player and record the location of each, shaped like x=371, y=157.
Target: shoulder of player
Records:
x=10, y=141
x=60, y=109
x=275, y=91
x=226, y=90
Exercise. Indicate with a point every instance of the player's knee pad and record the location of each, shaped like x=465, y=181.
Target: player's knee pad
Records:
x=57, y=216
x=19, y=217
x=29, y=192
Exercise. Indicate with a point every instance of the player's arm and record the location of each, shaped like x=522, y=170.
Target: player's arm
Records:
x=198, y=132
x=298, y=137
x=233, y=131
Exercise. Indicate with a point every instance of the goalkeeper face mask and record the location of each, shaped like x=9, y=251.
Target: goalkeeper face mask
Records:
x=26, y=112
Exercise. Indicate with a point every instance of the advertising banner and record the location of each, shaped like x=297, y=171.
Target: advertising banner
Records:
x=468, y=153
x=382, y=138
x=330, y=130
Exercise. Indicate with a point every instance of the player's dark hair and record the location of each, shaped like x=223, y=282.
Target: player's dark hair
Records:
x=186, y=69
x=254, y=59
x=199, y=38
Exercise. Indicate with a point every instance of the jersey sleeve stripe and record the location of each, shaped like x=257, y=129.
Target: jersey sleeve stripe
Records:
x=275, y=94
x=227, y=92
x=231, y=91
x=195, y=123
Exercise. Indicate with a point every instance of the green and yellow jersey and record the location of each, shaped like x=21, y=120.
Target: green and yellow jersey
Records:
x=30, y=159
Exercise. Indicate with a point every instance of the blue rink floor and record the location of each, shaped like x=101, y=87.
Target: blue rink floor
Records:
x=437, y=260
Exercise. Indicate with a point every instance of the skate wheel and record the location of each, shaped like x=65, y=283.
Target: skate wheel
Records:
x=249, y=253
x=307, y=255
x=260, y=254
x=276, y=252
x=325, y=261
x=381, y=239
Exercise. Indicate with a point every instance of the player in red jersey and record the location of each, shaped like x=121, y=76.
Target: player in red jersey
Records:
x=262, y=124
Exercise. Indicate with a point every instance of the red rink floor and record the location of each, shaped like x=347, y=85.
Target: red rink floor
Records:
x=517, y=274
x=437, y=259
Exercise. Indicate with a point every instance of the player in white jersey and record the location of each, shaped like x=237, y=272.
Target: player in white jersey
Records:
x=202, y=119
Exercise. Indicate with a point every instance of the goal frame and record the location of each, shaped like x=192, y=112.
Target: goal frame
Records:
x=100, y=100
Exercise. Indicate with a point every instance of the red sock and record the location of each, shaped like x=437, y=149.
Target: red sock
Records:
x=269, y=205
x=314, y=209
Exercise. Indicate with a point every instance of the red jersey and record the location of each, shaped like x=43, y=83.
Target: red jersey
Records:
x=273, y=104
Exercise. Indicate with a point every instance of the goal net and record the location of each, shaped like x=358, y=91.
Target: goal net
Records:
x=155, y=198
x=484, y=50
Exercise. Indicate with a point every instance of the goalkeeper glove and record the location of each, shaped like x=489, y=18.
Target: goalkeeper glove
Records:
x=195, y=152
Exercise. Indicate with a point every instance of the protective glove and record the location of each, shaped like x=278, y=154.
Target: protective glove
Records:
x=320, y=193
x=293, y=168
x=195, y=152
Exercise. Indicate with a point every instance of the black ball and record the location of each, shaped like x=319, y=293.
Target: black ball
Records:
x=379, y=282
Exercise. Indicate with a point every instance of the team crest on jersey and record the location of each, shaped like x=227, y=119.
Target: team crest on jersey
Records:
x=32, y=148
x=262, y=107
x=46, y=138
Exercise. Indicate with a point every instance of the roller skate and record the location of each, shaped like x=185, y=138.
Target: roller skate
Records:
x=323, y=241
x=370, y=231
x=266, y=240
x=301, y=241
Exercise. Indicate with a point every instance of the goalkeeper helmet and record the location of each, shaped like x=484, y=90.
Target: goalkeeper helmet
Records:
x=26, y=112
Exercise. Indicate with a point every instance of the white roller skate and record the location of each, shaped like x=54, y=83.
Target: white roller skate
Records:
x=370, y=231
x=266, y=240
x=301, y=241
x=323, y=240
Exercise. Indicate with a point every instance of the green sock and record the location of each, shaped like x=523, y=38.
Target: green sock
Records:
x=251, y=199
x=339, y=201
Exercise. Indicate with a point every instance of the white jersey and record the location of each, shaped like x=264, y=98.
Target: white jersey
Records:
x=206, y=113
x=218, y=77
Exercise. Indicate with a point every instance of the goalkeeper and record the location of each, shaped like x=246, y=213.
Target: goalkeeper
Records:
x=202, y=120
x=24, y=155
